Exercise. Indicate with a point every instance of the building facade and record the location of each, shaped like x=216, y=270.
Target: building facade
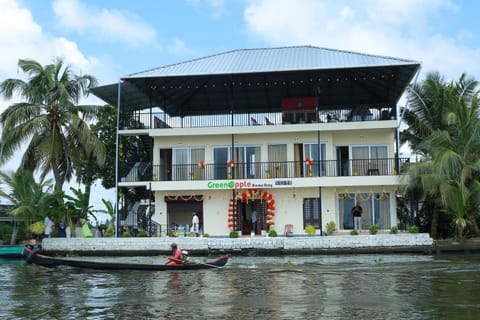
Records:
x=257, y=139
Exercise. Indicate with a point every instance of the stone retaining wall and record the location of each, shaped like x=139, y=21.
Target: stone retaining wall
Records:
x=420, y=242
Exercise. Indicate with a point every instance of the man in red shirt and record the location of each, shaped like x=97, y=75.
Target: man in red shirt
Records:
x=177, y=257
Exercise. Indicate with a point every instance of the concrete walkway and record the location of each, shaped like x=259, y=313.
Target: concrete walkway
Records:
x=343, y=244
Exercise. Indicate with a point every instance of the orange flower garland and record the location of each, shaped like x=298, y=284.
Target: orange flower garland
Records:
x=252, y=194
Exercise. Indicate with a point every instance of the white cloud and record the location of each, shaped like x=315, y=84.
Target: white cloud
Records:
x=103, y=24
x=404, y=29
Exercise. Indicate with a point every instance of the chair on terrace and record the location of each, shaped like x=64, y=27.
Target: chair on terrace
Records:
x=288, y=230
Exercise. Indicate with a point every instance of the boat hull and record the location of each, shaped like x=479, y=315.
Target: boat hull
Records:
x=11, y=252
x=33, y=256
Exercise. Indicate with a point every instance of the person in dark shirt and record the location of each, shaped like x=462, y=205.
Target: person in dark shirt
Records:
x=357, y=211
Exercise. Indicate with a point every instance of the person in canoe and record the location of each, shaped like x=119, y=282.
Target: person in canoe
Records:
x=177, y=257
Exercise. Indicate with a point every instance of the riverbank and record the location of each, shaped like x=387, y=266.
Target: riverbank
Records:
x=342, y=244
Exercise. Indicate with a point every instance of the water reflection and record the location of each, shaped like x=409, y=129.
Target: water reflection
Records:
x=293, y=287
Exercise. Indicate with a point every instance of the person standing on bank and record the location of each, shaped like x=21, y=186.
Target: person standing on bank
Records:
x=48, y=227
x=254, y=221
x=195, y=224
x=357, y=211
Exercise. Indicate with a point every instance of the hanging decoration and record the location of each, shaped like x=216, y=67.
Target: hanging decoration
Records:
x=185, y=198
x=250, y=195
x=309, y=161
x=231, y=214
x=202, y=165
x=230, y=163
x=363, y=196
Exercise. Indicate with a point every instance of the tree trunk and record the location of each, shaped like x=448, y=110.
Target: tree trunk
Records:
x=434, y=224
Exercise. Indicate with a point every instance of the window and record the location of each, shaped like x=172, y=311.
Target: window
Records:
x=311, y=213
x=376, y=209
x=185, y=163
x=319, y=167
x=369, y=159
x=277, y=161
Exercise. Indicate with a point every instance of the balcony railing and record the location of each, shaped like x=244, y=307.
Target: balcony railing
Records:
x=276, y=170
x=160, y=120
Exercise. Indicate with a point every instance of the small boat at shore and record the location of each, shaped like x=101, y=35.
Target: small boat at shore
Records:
x=11, y=251
x=33, y=256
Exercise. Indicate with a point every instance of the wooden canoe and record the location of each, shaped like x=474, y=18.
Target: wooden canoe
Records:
x=33, y=256
x=11, y=251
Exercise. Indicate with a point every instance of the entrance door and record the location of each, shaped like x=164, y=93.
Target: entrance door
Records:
x=165, y=171
x=244, y=216
x=343, y=161
x=180, y=214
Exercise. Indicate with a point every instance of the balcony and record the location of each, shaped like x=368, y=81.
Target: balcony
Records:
x=161, y=120
x=273, y=170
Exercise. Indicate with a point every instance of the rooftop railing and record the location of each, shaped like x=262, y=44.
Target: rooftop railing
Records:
x=160, y=120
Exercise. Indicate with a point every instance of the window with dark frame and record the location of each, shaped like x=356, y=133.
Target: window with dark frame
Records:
x=311, y=213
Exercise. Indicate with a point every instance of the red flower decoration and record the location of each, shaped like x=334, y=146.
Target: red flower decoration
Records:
x=309, y=161
x=202, y=164
x=230, y=163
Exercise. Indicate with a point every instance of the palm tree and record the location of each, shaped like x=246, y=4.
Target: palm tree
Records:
x=49, y=120
x=26, y=196
x=450, y=147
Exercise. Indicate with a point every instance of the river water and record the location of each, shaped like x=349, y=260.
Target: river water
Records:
x=290, y=287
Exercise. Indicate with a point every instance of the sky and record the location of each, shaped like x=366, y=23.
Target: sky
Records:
x=114, y=38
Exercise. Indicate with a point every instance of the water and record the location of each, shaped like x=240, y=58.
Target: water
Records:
x=291, y=287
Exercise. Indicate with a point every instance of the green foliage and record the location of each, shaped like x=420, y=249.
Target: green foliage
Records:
x=142, y=234
x=394, y=230
x=126, y=234
x=310, y=230
x=37, y=228
x=272, y=233
x=105, y=128
x=110, y=232
x=233, y=234
x=30, y=200
x=413, y=229
x=373, y=229
x=443, y=127
x=354, y=232
x=331, y=228
x=48, y=120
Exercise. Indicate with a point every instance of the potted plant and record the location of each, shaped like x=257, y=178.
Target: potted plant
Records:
x=373, y=229
x=354, y=232
x=331, y=228
x=233, y=234
x=310, y=230
x=272, y=233
x=394, y=230
x=413, y=229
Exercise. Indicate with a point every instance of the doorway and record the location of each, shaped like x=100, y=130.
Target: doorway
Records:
x=343, y=161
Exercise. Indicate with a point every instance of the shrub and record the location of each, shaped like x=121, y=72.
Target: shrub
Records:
x=310, y=230
x=37, y=228
x=206, y=235
x=354, y=232
x=272, y=233
x=233, y=234
x=394, y=230
x=126, y=234
x=413, y=229
x=331, y=228
x=109, y=232
x=373, y=229
x=142, y=234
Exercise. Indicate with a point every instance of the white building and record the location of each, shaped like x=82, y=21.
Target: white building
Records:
x=298, y=134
